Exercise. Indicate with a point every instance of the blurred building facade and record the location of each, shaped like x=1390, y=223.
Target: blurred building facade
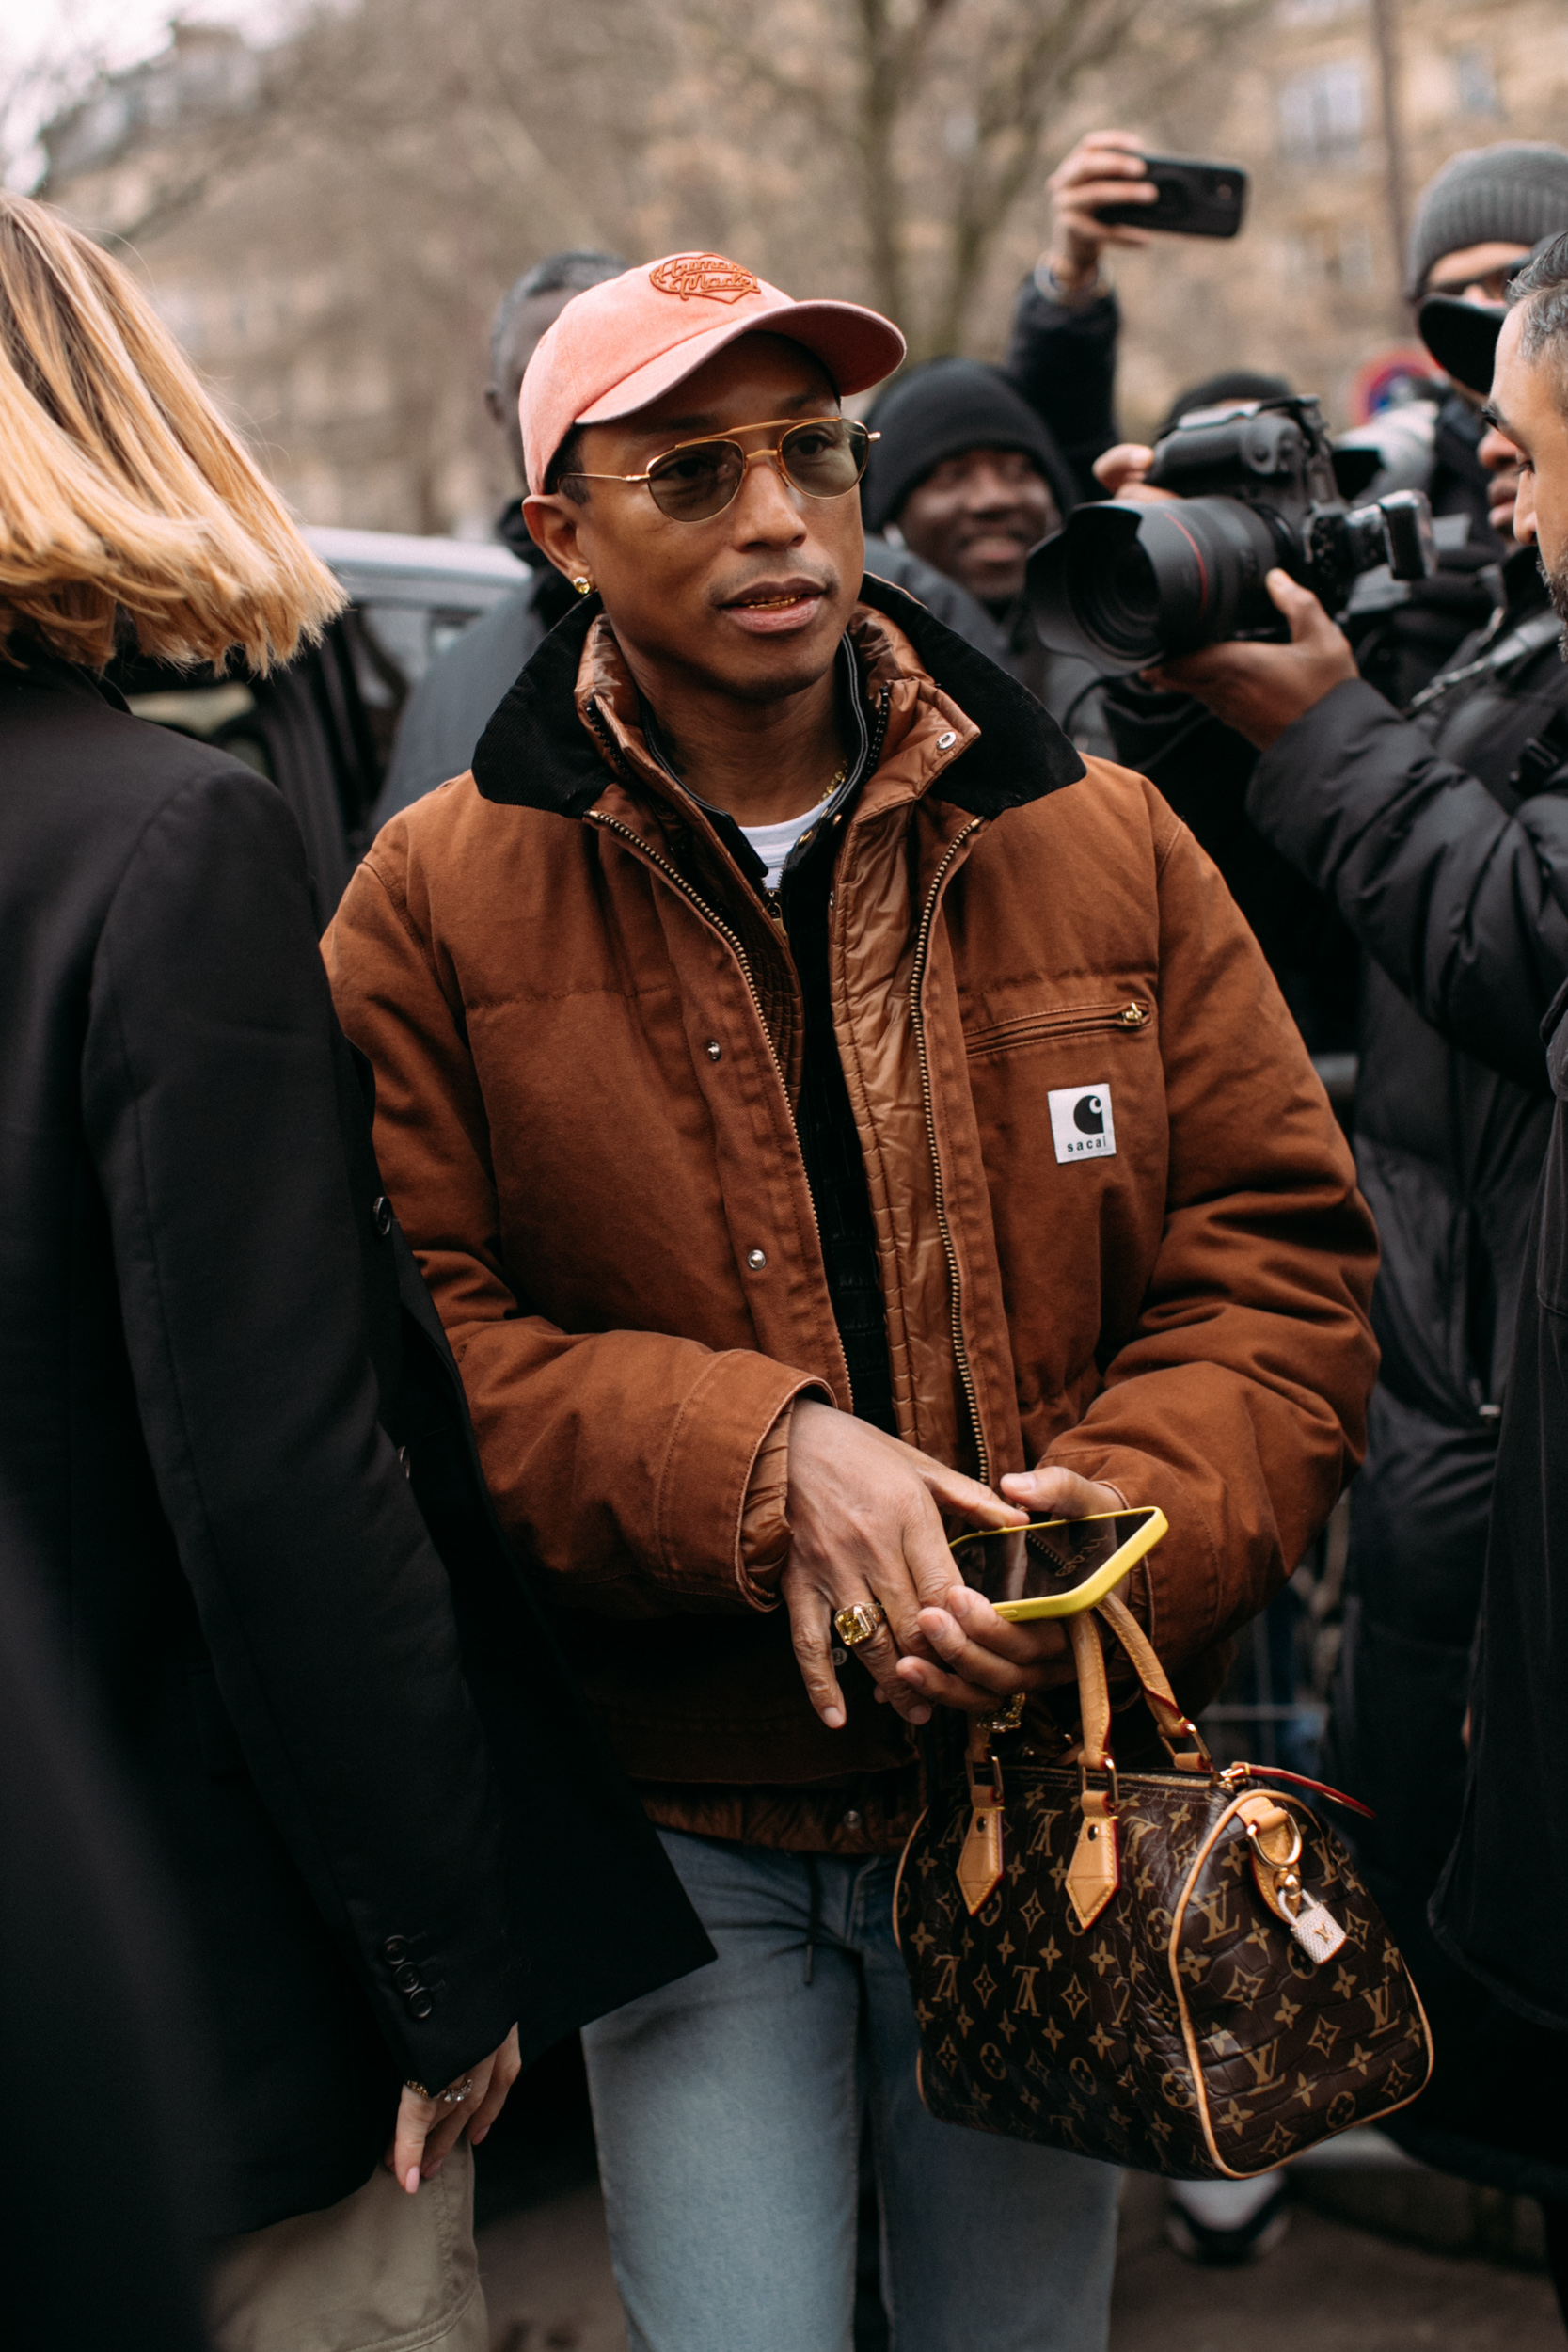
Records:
x=327, y=235
x=1313, y=289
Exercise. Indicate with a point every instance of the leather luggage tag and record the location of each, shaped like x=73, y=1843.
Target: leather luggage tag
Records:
x=1095, y=1871
x=1274, y=1836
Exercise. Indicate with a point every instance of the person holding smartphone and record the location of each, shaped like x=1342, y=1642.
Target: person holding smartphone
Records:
x=831, y=1114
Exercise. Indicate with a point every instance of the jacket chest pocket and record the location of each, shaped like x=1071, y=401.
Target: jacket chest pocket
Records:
x=1127, y=1016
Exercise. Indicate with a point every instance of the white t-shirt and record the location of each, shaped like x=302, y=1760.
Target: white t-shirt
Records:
x=774, y=843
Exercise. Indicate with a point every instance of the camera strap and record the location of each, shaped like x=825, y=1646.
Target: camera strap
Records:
x=1530, y=637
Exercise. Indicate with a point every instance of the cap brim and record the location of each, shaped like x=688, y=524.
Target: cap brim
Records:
x=856, y=346
x=1461, y=337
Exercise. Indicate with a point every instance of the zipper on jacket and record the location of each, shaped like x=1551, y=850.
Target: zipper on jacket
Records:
x=1126, y=1013
x=955, y=1281
x=674, y=875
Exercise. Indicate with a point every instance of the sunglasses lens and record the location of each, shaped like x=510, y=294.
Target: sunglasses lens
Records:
x=695, y=482
x=826, y=457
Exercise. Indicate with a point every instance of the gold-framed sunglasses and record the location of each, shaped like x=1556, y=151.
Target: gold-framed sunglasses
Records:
x=824, y=458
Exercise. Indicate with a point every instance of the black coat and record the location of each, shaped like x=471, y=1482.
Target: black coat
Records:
x=95, y=2033
x=1062, y=357
x=1444, y=845
x=1502, y=1908
x=379, y=1868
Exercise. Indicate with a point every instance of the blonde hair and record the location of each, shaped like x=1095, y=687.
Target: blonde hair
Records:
x=121, y=489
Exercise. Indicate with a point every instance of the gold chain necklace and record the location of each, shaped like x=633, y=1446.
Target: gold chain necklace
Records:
x=841, y=777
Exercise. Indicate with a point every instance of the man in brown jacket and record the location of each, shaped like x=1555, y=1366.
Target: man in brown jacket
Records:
x=815, y=1097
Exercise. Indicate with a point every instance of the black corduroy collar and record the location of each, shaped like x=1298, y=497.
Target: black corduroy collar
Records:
x=536, y=752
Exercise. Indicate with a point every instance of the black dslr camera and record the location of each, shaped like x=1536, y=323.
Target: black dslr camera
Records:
x=1124, y=585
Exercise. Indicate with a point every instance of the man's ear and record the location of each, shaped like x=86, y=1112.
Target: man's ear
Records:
x=552, y=521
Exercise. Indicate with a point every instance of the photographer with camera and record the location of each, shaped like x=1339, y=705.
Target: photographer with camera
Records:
x=1442, y=838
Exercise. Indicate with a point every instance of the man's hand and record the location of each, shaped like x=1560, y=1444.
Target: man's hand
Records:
x=1259, y=690
x=428, y=2130
x=983, y=1658
x=1120, y=473
x=1105, y=168
x=866, y=1516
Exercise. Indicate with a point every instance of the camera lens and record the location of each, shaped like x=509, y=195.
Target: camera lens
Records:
x=1117, y=600
x=1123, y=585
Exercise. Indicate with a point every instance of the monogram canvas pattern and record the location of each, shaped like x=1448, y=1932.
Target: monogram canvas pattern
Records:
x=1184, y=2031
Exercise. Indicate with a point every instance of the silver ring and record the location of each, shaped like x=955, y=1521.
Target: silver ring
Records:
x=456, y=2093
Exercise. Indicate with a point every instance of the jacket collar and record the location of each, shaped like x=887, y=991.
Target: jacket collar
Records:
x=536, y=752
x=32, y=664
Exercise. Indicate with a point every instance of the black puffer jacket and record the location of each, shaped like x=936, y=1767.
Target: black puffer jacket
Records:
x=1503, y=1906
x=1444, y=842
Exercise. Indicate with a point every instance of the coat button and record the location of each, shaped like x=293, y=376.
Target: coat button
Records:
x=419, y=2006
x=852, y=1819
x=381, y=1215
x=406, y=1979
x=945, y=742
x=714, y=1050
x=394, y=1949
x=756, y=1260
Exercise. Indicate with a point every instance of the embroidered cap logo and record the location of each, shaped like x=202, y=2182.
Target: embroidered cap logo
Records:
x=707, y=274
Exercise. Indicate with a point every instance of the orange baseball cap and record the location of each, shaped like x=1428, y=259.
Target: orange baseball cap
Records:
x=617, y=346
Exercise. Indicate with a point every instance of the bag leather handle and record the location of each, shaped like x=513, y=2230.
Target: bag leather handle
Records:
x=1184, y=1742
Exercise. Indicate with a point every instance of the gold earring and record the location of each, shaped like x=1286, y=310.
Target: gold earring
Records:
x=581, y=582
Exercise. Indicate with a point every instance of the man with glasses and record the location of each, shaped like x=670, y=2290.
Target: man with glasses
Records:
x=1441, y=834
x=829, y=1116
x=1477, y=223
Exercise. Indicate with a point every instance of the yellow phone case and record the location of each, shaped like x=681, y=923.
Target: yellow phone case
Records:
x=1094, y=1587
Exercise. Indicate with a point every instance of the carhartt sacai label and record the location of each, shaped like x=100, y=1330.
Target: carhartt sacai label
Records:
x=1081, y=1126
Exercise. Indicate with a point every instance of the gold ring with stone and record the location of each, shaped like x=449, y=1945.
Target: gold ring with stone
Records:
x=859, y=1623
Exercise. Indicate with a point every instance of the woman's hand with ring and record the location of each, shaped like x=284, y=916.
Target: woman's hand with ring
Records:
x=431, y=2123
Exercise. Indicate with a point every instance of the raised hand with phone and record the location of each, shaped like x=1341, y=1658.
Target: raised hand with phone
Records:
x=1106, y=167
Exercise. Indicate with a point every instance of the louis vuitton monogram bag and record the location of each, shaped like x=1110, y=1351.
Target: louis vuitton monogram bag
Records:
x=1179, y=1971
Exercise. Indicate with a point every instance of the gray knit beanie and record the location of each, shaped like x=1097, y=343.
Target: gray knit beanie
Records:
x=1515, y=193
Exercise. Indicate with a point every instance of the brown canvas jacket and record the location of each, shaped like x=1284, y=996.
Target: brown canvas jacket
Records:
x=587, y=1034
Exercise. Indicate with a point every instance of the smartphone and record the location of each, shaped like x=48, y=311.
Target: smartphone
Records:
x=1058, y=1566
x=1196, y=199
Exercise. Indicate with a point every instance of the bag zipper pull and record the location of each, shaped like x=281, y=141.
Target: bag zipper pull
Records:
x=1274, y=1836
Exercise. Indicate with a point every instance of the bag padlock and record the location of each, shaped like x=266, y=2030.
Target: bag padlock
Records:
x=1275, y=1836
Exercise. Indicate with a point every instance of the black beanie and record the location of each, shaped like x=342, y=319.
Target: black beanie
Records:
x=1515, y=193
x=941, y=410
x=1231, y=383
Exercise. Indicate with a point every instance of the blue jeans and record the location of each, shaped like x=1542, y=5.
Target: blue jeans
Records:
x=728, y=2110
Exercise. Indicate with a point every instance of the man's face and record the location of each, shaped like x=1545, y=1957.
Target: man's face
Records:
x=1477, y=273
x=534, y=317
x=751, y=603
x=975, y=518
x=1527, y=407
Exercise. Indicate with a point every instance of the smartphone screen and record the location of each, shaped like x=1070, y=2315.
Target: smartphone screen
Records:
x=1194, y=199
x=1051, y=1561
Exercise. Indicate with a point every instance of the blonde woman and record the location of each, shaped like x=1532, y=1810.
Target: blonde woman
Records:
x=201, y=1348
